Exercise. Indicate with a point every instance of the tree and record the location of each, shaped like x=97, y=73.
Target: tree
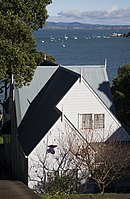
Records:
x=120, y=90
x=18, y=55
x=104, y=161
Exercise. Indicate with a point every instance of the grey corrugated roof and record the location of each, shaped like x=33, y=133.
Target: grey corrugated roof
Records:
x=96, y=77
x=49, y=85
x=26, y=94
x=42, y=112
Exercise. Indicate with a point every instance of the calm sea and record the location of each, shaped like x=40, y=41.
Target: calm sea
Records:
x=83, y=47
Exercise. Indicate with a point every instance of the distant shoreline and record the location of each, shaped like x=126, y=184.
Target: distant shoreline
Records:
x=76, y=25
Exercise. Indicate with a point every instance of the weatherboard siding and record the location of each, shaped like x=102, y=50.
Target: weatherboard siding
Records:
x=81, y=100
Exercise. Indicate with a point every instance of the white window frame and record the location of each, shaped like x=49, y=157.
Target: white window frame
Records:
x=99, y=121
x=85, y=124
x=92, y=122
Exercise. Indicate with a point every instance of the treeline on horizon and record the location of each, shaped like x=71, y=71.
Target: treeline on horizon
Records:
x=77, y=25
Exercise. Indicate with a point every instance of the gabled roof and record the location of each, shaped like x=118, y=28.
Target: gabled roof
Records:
x=96, y=77
x=26, y=94
x=35, y=104
x=42, y=114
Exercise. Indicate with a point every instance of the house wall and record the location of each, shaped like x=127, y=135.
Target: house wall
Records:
x=81, y=99
x=39, y=157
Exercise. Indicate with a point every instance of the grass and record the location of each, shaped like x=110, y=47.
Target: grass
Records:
x=88, y=196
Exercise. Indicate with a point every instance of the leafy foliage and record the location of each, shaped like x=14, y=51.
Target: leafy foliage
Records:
x=32, y=13
x=121, y=94
x=63, y=183
x=18, y=55
x=88, y=196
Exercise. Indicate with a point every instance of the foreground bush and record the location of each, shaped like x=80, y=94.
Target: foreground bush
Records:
x=87, y=196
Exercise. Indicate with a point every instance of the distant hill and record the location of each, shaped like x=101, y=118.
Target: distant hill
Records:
x=77, y=25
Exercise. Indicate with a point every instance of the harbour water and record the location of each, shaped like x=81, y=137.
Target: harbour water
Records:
x=85, y=47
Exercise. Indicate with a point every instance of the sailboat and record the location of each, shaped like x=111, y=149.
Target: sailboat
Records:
x=66, y=37
x=63, y=45
x=52, y=38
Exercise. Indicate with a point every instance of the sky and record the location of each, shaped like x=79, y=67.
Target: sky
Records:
x=111, y=12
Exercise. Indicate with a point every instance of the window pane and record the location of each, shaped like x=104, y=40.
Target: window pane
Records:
x=99, y=120
x=86, y=121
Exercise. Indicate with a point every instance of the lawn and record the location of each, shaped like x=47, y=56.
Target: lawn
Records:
x=89, y=196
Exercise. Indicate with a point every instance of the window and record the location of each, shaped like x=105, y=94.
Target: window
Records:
x=86, y=121
x=99, y=121
x=91, y=121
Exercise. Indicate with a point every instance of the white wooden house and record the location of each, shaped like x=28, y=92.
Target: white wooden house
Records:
x=78, y=96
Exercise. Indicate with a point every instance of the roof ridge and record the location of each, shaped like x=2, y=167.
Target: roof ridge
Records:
x=75, y=66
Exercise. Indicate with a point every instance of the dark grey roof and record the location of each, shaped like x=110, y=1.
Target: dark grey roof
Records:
x=26, y=94
x=120, y=135
x=35, y=104
x=42, y=114
x=94, y=75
